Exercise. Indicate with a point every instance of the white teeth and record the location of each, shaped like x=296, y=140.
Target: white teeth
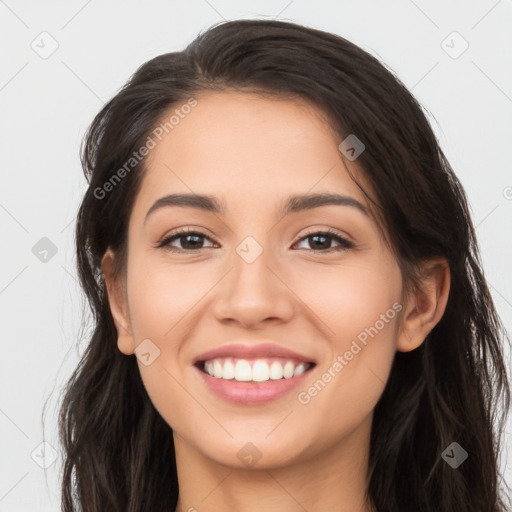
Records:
x=243, y=370
x=288, y=370
x=208, y=368
x=260, y=371
x=276, y=370
x=217, y=369
x=300, y=368
x=229, y=370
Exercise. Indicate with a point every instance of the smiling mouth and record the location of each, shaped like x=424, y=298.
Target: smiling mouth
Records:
x=253, y=370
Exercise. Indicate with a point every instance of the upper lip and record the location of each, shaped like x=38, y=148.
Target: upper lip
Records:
x=241, y=351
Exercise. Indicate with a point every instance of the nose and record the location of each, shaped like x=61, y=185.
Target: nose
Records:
x=253, y=293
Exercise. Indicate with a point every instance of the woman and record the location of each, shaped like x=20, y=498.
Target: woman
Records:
x=290, y=311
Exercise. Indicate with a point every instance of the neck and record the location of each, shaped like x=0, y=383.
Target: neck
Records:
x=333, y=480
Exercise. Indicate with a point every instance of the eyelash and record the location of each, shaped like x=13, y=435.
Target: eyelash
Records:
x=328, y=233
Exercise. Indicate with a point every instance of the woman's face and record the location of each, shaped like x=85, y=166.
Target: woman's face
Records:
x=258, y=275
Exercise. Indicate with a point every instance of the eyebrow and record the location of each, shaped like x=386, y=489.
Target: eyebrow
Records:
x=293, y=204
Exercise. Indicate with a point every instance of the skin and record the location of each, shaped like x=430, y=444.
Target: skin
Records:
x=252, y=152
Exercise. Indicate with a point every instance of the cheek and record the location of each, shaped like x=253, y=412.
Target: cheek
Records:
x=351, y=298
x=365, y=305
x=370, y=319
x=161, y=303
x=162, y=296
x=360, y=306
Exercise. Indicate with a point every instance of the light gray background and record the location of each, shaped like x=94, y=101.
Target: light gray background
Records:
x=47, y=103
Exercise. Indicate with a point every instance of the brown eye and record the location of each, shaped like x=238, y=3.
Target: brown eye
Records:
x=190, y=241
x=320, y=241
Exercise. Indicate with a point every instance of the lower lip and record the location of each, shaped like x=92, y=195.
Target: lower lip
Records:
x=252, y=392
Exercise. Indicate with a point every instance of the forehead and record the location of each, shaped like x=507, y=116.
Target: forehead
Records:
x=248, y=150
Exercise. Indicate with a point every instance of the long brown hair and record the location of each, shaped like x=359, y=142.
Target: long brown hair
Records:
x=119, y=452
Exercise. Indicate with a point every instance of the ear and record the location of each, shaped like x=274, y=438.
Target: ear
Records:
x=116, y=290
x=425, y=305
